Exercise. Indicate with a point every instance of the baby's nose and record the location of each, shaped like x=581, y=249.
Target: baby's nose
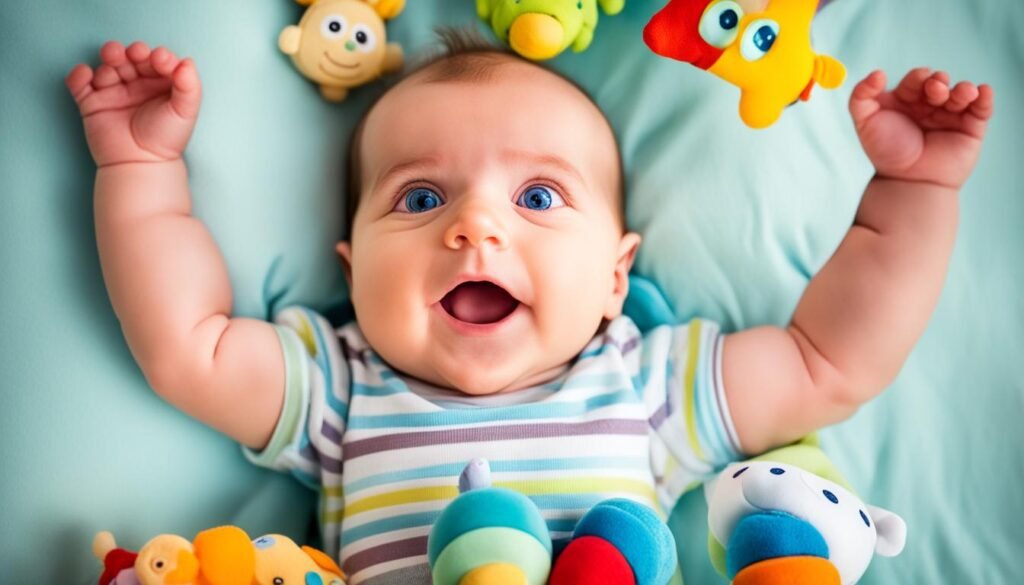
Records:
x=476, y=225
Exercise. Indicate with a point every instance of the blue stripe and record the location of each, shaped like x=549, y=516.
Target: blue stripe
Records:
x=711, y=429
x=418, y=520
x=567, y=501
x=374, y=390
x=450, y=470
x=543, y=410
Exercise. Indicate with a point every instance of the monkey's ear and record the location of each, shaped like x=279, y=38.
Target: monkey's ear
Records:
x=290, y=39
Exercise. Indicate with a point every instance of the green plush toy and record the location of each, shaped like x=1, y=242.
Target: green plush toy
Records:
x=542, y=29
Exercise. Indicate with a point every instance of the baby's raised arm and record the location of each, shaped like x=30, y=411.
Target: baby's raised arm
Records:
x=862, y=313
x=166, y=278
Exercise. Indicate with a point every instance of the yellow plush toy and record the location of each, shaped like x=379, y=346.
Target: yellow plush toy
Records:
x=219, y=556
x=342, y=44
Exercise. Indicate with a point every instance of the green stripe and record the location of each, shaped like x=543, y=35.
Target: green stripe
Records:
x=692, y=351
x=291, y=415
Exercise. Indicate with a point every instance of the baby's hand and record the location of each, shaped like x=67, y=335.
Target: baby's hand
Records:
x=922, y=130
x=138, y=106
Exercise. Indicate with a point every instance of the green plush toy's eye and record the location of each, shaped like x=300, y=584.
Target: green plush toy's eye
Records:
x=720, y=24
x=758, y=39
x=333, y=27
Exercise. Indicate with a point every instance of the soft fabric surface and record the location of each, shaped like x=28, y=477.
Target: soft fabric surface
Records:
x=735, y=222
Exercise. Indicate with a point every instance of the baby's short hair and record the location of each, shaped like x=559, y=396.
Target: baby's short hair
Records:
x=465, y=56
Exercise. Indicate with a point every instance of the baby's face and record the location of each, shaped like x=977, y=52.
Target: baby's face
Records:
x=487, y=247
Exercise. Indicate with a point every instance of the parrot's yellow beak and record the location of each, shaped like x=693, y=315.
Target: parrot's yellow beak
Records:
x=495, y=574
x=536, y=36
x=186, y=571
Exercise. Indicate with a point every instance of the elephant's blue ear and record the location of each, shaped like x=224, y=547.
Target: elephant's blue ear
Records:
x=646, y=306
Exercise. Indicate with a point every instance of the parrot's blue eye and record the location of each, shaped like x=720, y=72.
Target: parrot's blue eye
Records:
x=422, y=199
x=539, y=198
x=720, y=23
x=830, y=496
x=758, y=39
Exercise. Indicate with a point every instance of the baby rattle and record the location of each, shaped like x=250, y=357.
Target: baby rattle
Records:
x=342, y=44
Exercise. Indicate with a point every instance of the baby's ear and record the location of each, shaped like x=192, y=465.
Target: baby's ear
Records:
x=344, y=250
x=626, y=254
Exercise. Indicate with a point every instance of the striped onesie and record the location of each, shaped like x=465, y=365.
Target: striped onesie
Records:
x=636, y=416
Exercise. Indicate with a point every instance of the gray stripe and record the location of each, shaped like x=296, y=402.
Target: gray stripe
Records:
x=330, y=433
x=659, y=416
x=500, y=433
x=383, y=553
x=629, y=345
x=311, y=453
x=414, y=575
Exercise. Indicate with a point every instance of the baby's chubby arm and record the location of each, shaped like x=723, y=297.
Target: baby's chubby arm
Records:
x=166, y=278
x=862, y=313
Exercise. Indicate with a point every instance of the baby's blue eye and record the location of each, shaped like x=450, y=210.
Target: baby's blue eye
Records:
x=539, y=198
x=830, y=496
x=422, y=199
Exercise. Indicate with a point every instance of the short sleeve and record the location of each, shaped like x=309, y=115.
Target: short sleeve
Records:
x=307, y=438
x=694, y=435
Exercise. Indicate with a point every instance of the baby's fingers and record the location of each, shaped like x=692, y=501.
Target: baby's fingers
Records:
x=984, y=106
x=936, y=89
x=910, y=87
x=864, y=99
x=79, y=82
x=975, y=119
x=138, y=53
x=164, y=62
x=112, y=53
x=961, y=96
x=185, y=92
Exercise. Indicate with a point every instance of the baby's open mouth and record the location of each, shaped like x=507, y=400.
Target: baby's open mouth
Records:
x=479, y=302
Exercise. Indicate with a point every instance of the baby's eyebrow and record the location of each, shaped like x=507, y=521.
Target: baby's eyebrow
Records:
x=544, y=159
x=406, y=167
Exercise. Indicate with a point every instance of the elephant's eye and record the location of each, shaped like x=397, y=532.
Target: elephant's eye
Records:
x=864, y=517
x=740, y=472
x=830, y=496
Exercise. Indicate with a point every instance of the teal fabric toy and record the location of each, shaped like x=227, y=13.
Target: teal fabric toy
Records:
x=788, y=516
x=495, y=536
x=542, y=29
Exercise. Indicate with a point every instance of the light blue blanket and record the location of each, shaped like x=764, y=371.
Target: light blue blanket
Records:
x=735, y=222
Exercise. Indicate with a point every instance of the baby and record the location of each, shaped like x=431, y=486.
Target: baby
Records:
x=488, y=261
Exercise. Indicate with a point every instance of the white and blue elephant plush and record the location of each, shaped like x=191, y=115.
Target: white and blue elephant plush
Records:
x=778, y=514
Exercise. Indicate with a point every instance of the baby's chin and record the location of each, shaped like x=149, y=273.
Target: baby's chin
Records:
x=487, y=379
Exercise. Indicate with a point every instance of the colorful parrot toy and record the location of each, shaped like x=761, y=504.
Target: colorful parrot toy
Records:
x=761, y=46
x=542, y=29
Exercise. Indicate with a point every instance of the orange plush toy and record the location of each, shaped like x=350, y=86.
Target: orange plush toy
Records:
x=219, y=556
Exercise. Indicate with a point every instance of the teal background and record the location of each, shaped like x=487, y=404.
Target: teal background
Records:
x=735, y=223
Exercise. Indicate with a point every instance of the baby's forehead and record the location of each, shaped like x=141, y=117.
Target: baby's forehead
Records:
x=494, y=94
